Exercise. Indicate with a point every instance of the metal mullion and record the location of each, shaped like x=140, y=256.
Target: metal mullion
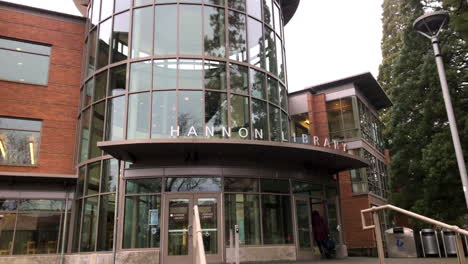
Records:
x=120, y=206
x=27, y=52
x=150, y=116
x=96, y=225
x=177, y=71
x=141, y=194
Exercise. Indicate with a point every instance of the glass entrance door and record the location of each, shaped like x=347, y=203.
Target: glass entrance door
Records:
x=179, y=227
x=304, y=228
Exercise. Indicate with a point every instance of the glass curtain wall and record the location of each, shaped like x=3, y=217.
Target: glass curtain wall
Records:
x=372, y=179
x=371, y=127
x=343, y=118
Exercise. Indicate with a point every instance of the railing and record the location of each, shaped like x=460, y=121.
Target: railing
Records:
x=198, y=248
x=378, y=231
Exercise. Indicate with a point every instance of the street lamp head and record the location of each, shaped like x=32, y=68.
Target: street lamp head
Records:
x=429, y=25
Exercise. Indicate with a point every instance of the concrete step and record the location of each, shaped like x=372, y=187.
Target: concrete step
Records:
x=358, y=260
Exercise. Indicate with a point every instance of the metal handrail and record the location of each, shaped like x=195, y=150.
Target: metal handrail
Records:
x=198, y=247
x=378, y=232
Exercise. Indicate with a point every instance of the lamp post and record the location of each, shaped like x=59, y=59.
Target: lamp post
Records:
x=430, y=25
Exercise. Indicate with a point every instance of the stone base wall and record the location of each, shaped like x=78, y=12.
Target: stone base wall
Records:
x=263, y=254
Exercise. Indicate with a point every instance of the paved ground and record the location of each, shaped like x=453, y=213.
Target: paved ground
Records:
x=354, y=260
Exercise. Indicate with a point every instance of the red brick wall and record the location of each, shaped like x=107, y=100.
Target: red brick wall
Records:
x=318, y=115
x=55, y=104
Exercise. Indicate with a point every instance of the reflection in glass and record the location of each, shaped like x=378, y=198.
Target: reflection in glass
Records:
x=104, y=43
x=92, y=37
x=121, y=5
x=243, y=210
x=117, y=80
x=240, y=185
x=237, y=36
x=277, y=19
x=85, y=117
x=255, y=43
x=193, y=184
x=239, y=78
x=303, y=223
x=178, y=227
x=152, y=185
x=283, y=97
x=208, y=213
x=273, y=91
x=120, y=37
x=315, y=190
x=275, y=124
x=115, y=118
x=270, y=51
x=96, y=11
x=77, y=227
x=107, y=7
x=214, y=30
x=138, y=116
x=254, y=8
x=240, y=120
x=279, y=56
x=88, y=93
x=215, y=113
x=97, y=129
x=190, y=29
x=190, y=74
x=237, y=4
x=89, y=225
x=277, y=219
x=165, y=31
x=100, y=86
x=36, y=233
x=93, y=178
x=140, y=76
x=215, y=75
x=190, y=118
x=24, y=67
x=7, y=225
x=143, y=2
x=284, y=127
x=214, y=2
x=81, y=180
x=259, y=120
x=274, y=186
x=106, y=223
x=142, y=37
x=257, y=79
x=142, y=221
x=165, y=74
x=164, y=114
x=268, y=12
x=110, y=175
x=19, y=147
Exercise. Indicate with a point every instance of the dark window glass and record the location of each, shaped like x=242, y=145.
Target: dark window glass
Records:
x=270, y=51
x=19, y=141
x=115, y=118
x=104, y=43
x=120, y=37
x=215, y=75
x=274, y=186
x=81, y=181
x=308, y=189
x=142, y=221
x=36, y=233
x=190, y=29
x=275, y=124
x=8, y=205
x=88, y=94
x=117, y=80
x=277, y=219
x=110, y=175
x=106, y=223
x=89, y=225
x=193, y=184
x=214, y=2
x=164, y=114
x=239, y=78
x=92, y=38
x=85, y=116
x=237, y=4
x=142, y=32
x=140, y=76
x=165, y=32
x=121, y=5
x=190, y=118
x=254, y=8
x=138, y=116
x=93, y=178
x=255, y=43
x=334, y=119
x=284, y=127
x=257, y=80
x=273, y=91
x=240, y=185
x=97, y=129
x=96, y=11
x=214, y=30
x=77, y=227
x=107, y=7
x=259, y=120
x=190, y=74
x=100, y=86
x=283, y=97
x=268, y=12
x=165, y=74
x=240, y=120
x=40, y=205
x=348, y=113
x=7, y=225
x=237, y=36
x=279, y=56
x=243, y=210
x=152, y=185
x=216, y=114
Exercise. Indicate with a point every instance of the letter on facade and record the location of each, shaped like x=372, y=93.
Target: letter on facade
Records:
x=177, y=131
x=243, y=132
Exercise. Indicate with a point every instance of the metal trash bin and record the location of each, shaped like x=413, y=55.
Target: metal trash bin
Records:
x=449, y=242
x=400, y=243
x=429, y=242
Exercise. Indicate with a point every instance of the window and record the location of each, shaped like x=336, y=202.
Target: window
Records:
x=342, y=118
x=19, y=141
x=24, y=62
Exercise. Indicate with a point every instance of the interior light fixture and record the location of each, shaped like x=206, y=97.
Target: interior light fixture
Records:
x=20, y=63
x=307, y=122
x=18, y=48
x=31, y=141
x=3, y=146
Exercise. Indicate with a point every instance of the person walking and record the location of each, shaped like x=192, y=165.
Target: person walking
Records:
x=320, y=233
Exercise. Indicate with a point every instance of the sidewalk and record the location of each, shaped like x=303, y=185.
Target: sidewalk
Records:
x=356, y=260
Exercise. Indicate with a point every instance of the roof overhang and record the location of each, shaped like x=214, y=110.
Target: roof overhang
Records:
x=206, y=149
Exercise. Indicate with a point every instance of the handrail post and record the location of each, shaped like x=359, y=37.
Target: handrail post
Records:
x=199, y=248
x=378, y=237
x=460, y=250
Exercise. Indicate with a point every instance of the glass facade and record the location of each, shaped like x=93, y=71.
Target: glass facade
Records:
x=342, y=118
x=371, y=179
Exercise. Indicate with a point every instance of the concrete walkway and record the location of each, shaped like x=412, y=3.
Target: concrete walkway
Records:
x=355, y=260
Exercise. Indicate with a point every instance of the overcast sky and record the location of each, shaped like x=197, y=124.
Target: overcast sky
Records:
x=325, y=40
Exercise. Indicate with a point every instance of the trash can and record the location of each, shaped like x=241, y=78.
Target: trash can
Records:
x=429, y=242
x=400, y=243
x=449, y=242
